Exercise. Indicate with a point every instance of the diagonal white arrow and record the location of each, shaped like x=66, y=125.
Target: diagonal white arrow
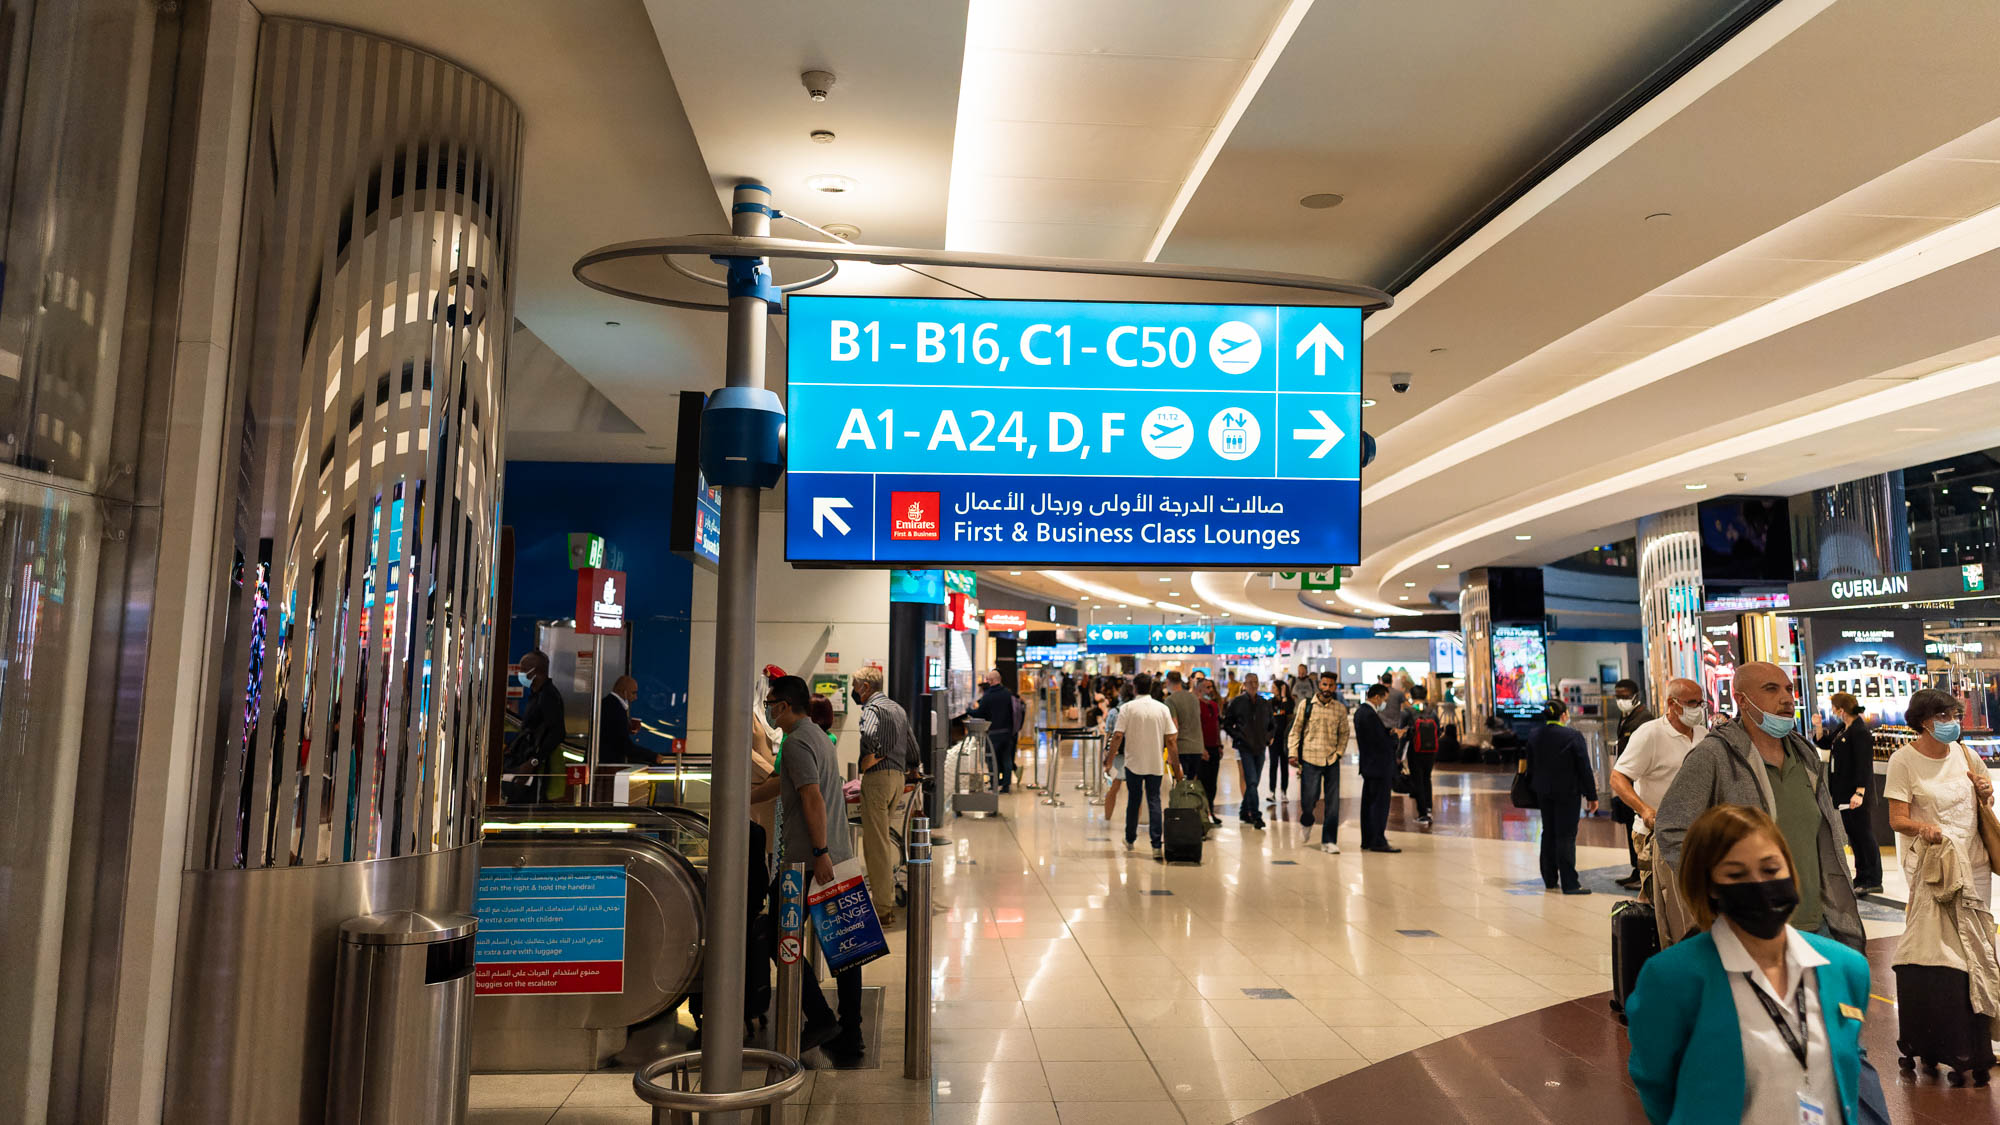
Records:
x=1318, y=341
x=1326, y=433
x=824, y=508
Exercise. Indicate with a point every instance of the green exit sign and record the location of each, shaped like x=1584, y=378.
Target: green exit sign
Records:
x=585, y=550
x=1306, y=580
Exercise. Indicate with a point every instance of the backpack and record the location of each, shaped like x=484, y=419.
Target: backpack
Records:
x=1020, y=713
x=1424, y=735
x=1187, y=793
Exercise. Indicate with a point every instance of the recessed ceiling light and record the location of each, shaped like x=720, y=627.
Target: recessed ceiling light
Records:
x=1694, y=487
x=1225, y=615
x=1013, y=572
x=1173, y=593
x=1409, y=585
x=1321, y=200
x=1329, y=601
x=1444, y=566
x=1166, y=579
x=1402, y=597
x=1367, y=402
x=831, y=184
x=1196, y=605
x=1524, y=538
x=1122, y=605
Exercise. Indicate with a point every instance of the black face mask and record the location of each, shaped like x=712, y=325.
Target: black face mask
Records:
x=1759, y=909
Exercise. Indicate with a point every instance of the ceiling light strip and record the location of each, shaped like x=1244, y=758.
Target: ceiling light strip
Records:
x=1943, y=385
x=1908, y=263
x=1110, y=593
x=1741, y=50
x=1218, y=137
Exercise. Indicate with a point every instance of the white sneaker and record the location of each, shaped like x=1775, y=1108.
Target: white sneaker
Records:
x=1330, y=849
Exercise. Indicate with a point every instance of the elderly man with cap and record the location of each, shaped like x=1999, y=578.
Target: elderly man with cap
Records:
x=888, y=746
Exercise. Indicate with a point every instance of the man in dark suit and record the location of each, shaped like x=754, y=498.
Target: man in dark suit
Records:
x=1378, y=770
x=614, y=745
x=1559, y=772
x=996, y=706
x=535, y=750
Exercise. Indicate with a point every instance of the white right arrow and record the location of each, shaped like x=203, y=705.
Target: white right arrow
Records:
x=1326, y=433
x=824, y=508
x=1319, y=340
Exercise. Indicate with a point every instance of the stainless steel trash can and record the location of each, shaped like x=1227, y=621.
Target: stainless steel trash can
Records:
x=402, y=1011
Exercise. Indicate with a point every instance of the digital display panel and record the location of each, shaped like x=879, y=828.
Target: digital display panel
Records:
x=1520, y=671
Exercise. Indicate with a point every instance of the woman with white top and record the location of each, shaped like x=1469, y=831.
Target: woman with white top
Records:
x=1752, y=1021
x=1935, y=788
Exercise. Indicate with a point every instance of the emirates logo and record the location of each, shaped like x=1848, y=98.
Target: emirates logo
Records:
x=915, y=515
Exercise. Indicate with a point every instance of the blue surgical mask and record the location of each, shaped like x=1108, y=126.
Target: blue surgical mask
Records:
x=526, y=680
x=1777, y=726
x=1945, y=731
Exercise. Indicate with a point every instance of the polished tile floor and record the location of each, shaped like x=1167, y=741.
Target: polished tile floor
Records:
x=1077, y=982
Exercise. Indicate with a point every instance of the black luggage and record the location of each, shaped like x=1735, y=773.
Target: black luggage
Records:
x=1182, y=835
x=1937, y=1026
x=1635, y=936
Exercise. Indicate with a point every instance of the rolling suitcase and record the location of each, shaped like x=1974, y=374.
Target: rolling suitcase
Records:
x=1183, y=833
x=1635, y=936
x=1936, y=1024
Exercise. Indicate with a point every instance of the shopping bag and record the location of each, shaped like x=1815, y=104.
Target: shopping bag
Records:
x=843, y=917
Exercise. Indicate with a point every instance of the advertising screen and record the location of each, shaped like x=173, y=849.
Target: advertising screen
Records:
x=1520, y=671
x=1052, y=433
x=1879, y=661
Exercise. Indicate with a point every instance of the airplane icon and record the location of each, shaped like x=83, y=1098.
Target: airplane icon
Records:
x=1160, y=431
x=1226, y=346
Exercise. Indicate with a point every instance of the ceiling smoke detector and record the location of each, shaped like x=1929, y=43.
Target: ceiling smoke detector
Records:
x=850, y=232
x=821, y=136
x=817, y=83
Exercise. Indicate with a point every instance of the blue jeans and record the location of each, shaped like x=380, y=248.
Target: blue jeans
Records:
x=1253, y=769
x=1149, y=783
x=1310, y=778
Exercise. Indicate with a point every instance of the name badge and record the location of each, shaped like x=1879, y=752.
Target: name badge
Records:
x=1810, y=1111
x=1852, y=1012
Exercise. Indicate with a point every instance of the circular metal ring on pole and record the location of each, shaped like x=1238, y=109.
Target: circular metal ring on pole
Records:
x=645, y=1083
x=645, y=271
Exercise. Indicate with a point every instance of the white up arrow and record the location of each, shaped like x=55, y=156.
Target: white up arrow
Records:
x=1326, y=433
x=824, y=508
x=1319, y=340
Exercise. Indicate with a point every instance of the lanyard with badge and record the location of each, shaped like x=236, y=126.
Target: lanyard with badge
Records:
x=1811, y=1112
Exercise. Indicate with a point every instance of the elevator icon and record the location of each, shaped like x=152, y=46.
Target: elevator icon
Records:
x=1233, y=433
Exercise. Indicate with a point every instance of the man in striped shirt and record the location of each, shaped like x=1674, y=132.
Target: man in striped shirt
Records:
x=1321, y=731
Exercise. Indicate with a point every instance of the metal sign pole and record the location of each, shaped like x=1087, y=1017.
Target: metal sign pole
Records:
x=589, y=790
x=917, y=955
x=790, y=994
x=750, y=294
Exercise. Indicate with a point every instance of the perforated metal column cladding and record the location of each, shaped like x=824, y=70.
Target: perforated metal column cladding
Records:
x=1670, y=597
x=375, y=310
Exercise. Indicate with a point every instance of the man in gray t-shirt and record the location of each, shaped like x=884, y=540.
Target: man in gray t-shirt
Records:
x=814, y=809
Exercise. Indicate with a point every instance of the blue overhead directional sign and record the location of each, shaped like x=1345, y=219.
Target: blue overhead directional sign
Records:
x=922, y=432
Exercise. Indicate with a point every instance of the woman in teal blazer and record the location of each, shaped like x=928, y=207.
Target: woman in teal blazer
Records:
x=1687, y=1026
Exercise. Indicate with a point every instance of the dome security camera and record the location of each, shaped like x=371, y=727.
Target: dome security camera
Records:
x=1400, y=380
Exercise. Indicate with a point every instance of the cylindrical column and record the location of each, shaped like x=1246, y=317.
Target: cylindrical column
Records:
x=1862, y=528
x=735, y=665
x=355, y=646
x=917, y=955
x=1670, y=598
